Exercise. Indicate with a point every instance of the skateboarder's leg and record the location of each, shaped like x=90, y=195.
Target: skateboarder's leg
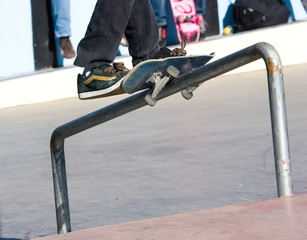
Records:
x=142, y=32
x=97, y=50
x=105, y=30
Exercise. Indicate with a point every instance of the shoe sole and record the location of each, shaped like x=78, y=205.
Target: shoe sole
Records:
x=100, y=93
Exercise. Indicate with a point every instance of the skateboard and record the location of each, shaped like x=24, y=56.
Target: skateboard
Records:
x=182, y=21
x=156, y=73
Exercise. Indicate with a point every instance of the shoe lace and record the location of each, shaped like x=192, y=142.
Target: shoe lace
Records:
x=116, y=67
x=180, y=51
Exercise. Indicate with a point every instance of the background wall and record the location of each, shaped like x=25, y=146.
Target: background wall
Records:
x=16, y=41
x=16, y=44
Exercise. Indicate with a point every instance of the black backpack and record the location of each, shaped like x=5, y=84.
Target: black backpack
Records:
x=252, y=14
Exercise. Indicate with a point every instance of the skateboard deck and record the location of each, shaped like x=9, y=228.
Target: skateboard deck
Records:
x=155, y=73
x=182, y=21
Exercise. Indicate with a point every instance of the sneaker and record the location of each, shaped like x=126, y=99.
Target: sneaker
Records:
x=67, y=50
x=166, y=52
x=103, y=80
x=162, y=36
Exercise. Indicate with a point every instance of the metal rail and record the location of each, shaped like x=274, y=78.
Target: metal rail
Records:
x=198, y=76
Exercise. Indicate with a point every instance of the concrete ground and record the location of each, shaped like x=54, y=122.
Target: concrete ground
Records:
x=180, y=156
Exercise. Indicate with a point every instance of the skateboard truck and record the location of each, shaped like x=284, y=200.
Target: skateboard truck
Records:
x=159, y=83
x=188, y=93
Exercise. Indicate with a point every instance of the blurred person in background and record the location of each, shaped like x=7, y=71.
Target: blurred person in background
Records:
x=61, y=21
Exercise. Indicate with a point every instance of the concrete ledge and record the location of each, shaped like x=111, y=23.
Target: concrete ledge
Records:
x=280, y=218
x=289, y=40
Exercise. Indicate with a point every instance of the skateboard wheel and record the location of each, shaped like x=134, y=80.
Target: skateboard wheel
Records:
x=173, y=71
x=150, y=100
x=186, y=94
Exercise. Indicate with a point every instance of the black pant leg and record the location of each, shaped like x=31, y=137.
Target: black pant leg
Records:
x=104, y=32
x=142, y=32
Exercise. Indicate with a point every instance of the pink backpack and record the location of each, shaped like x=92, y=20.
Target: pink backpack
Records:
x=185, y=20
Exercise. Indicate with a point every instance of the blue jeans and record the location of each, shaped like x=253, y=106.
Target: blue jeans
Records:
x=61, y=17
x=110, y=20
x=200, y=7
x=159, y=7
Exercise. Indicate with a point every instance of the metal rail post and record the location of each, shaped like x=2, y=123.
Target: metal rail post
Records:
x=198, y=76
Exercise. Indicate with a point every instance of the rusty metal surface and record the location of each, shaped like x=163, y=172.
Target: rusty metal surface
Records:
x=280, y=218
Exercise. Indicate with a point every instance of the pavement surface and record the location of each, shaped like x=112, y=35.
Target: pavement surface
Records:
x=180, y=156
